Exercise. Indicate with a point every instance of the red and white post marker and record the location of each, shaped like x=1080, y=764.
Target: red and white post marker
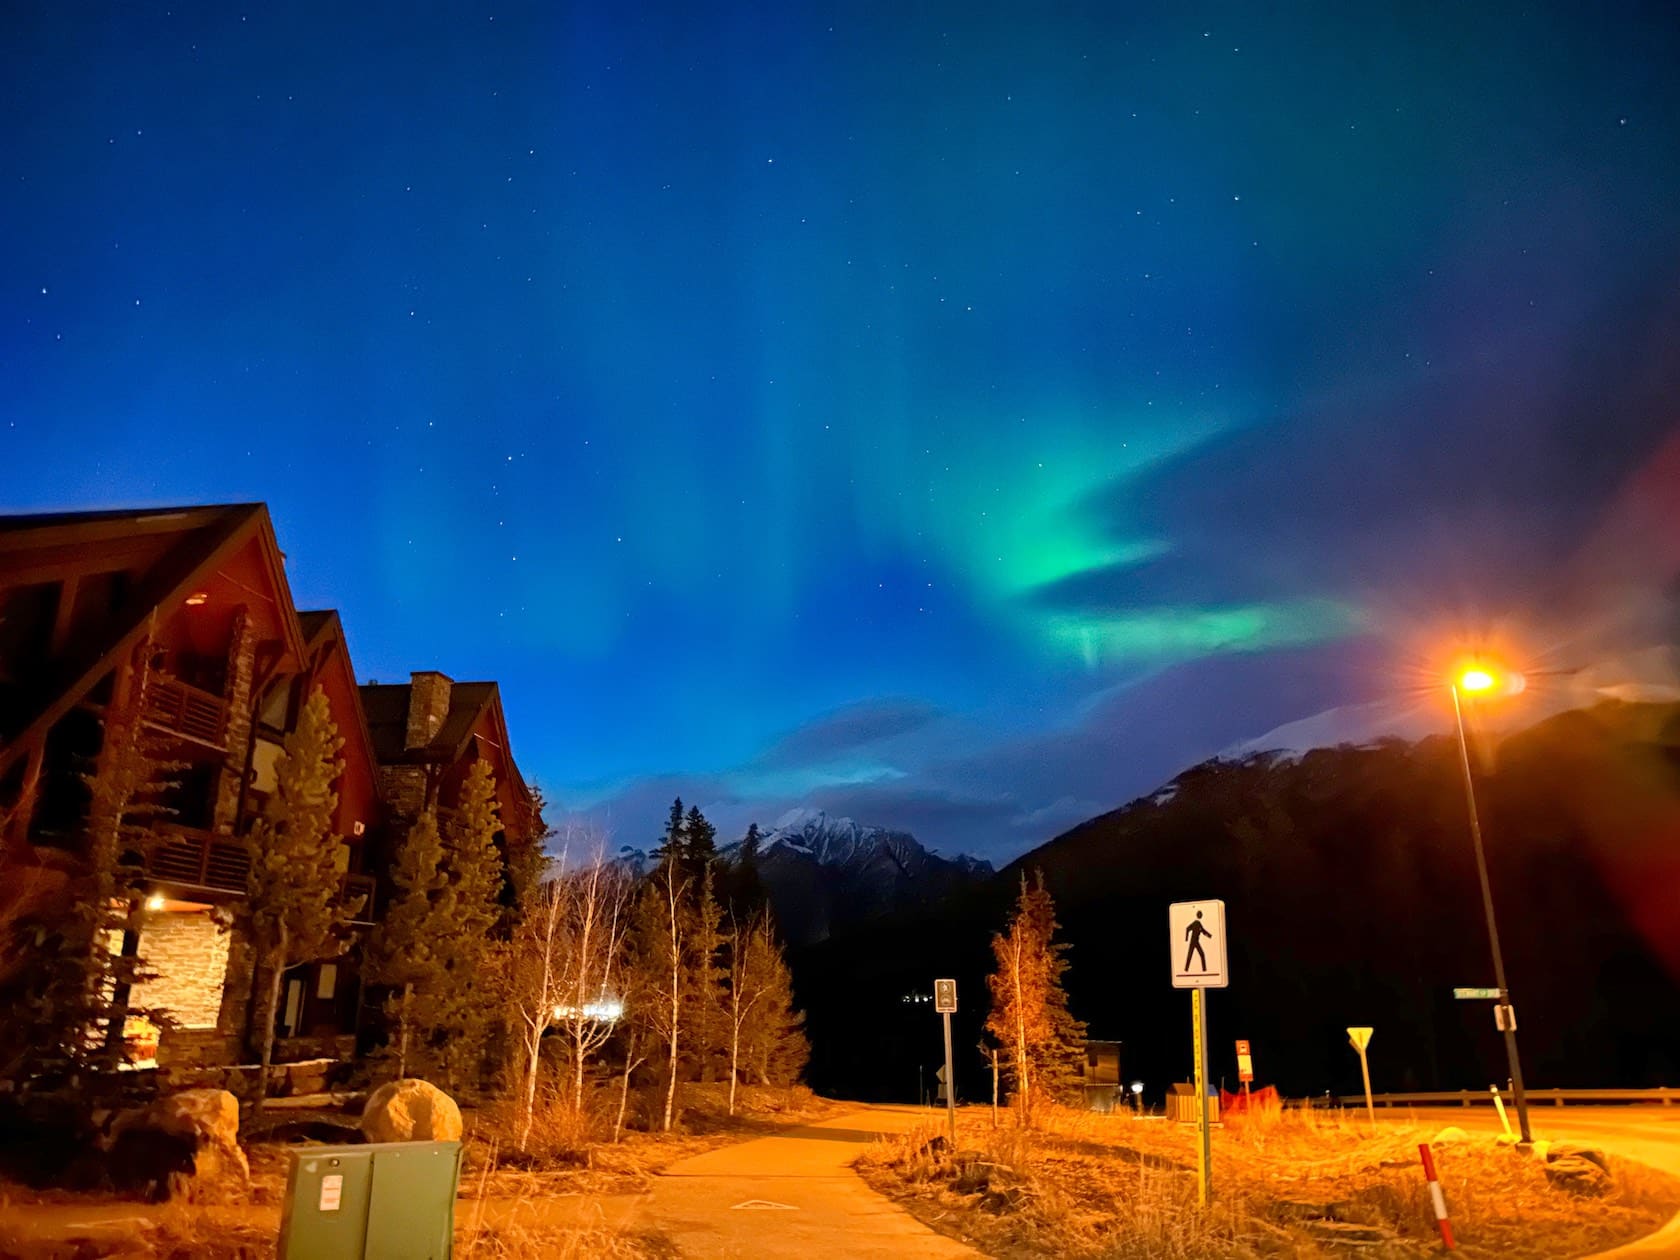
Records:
x=1436, y=1197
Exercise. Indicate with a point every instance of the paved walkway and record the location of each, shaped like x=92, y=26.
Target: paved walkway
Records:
x=793, y=1194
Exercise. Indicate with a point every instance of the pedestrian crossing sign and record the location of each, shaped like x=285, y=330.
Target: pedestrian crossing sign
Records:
x=1198, y=945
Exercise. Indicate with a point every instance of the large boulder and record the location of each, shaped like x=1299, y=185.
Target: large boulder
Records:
x=411, y=1110
x=184, y=1144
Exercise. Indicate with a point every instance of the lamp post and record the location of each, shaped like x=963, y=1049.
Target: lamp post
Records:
x=1477, y=680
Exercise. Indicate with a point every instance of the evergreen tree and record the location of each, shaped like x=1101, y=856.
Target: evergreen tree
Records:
x=671, y=843
x=774, y=1039
x=707, y=1021
x=455, y=1015
x=1030, y=1017
x=744, y=892
x=406, y=954
x=293, y=889
x=699, y=842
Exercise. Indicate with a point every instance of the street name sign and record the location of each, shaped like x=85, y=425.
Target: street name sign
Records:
x=1477, y=994
x=1197, y=931
x=945, y=997
x=1245, y=1063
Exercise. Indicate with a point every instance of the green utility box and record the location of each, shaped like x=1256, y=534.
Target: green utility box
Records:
x=383, y=1201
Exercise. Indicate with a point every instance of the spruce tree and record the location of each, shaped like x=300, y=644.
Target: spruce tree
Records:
x=406, y=955
x=293, y=888
x=671, y=843
x=1030, y=1018
x=776, y=1046
x=707, y=1021
x=455, y=1012
x=699, y=842
x=744, y=889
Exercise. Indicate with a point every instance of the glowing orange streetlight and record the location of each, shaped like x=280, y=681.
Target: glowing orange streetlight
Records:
x=1476, y=678
x=1479, y=680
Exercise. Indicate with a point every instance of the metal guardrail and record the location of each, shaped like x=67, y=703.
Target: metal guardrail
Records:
x=1667, y=1095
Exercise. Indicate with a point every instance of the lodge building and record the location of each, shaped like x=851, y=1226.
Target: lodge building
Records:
x=181, y=621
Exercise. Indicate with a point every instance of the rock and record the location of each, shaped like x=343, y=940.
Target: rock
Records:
x=184, y=1144
x=411, y=1110
x=1578, y=1175
x=210, y=1114
x=1578, y=1150
x=1452, y=1133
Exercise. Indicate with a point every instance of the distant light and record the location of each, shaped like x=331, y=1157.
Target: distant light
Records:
x=1137, y=1087
x=154, y=902
x=605, y=1011
x=197, y=598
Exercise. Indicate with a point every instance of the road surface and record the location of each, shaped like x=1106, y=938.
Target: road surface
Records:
x=1647, y=1133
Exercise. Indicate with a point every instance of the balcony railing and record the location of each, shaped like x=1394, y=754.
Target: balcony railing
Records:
x=200, y=859
x=182, y=709
x=194, y=859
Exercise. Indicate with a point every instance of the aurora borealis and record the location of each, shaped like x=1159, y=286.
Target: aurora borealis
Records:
x=955, y=417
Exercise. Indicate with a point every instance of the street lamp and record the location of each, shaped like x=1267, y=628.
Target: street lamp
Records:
x=1479, y=680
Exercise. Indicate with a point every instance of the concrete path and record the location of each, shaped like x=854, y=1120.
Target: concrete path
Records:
x=792, y=1195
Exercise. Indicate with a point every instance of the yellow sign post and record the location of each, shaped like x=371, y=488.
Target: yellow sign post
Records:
x=1204, y=1131
x=1359, y=1038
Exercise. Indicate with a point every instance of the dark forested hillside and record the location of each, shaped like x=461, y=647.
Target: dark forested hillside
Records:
x=1352, y=899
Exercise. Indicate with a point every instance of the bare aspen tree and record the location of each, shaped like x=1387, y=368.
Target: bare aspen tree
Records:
x=595, y=897
x=534, y=978
x=664, y=916
x=747, y=979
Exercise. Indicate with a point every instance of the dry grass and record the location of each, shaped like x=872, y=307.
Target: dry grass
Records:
x=1097, y=1187
x=569, y=1154
x=170, y=1232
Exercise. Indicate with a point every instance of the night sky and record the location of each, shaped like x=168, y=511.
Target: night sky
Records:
x=956, y=418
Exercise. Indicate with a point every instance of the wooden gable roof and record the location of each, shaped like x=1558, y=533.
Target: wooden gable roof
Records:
x=170, y=553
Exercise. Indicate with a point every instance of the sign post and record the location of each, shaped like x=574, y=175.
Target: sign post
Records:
x=1359, y=1038
x=1197, y=929
x=945, y=1002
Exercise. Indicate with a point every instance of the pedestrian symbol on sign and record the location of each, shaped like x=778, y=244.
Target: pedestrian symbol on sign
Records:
x=1194, y=934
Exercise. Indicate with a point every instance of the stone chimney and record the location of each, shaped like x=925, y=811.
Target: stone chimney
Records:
x=428, y=705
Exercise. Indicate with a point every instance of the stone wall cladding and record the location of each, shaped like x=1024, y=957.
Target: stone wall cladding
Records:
x=403, y=789
x=187, y=955
x=241, y=670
